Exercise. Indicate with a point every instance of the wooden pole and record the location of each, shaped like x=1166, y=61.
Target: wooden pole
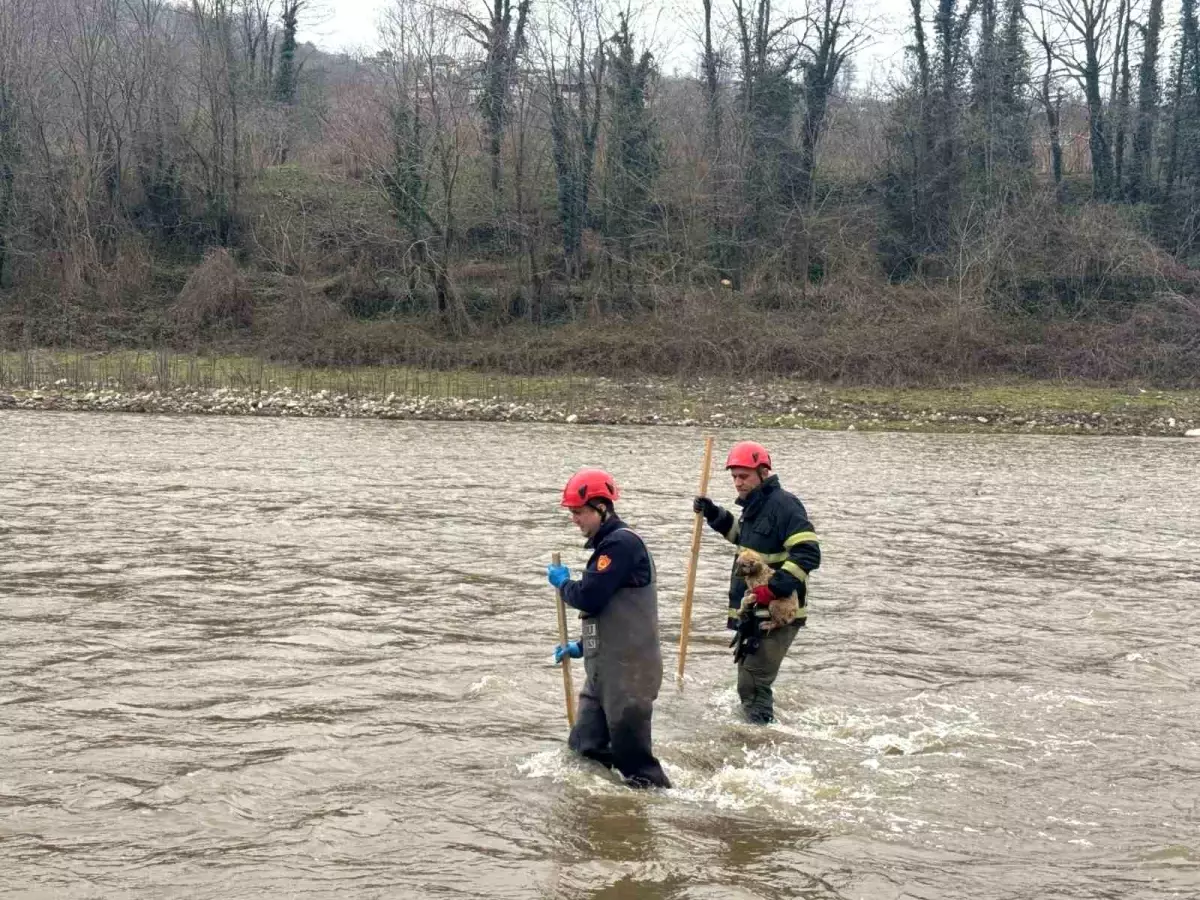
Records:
x=685, y=616
x=568, y=690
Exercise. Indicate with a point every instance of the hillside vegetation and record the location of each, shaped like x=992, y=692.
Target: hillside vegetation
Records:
x=519, y=188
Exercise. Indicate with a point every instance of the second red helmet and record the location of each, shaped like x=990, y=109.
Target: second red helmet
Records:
x=748, y=455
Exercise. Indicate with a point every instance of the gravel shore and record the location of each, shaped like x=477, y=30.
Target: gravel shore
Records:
x=643, y=403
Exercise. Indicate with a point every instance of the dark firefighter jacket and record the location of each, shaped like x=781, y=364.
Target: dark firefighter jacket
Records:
x=774, y=523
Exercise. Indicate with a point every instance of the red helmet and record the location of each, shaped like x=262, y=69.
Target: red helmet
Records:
x=589, y=484
x=748, y=455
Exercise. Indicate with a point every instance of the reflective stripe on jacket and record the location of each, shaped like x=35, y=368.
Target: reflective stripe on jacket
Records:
x=775, y=524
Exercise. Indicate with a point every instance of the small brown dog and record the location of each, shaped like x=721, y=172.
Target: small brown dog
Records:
x=755, y=571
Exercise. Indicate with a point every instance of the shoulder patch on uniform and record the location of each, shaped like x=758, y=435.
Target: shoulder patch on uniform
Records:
x=603, y=562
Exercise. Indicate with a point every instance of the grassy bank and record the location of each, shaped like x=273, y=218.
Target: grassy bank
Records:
x=175, y=383
x=1042, y=407
x=133, y=370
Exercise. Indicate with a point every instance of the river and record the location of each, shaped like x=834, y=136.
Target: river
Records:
x=312, y=658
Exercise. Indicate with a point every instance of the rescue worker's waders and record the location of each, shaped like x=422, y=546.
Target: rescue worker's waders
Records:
x=624, y=673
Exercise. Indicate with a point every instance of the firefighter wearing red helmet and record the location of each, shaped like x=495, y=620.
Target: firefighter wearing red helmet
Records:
x=774, y=523
x=618, y=607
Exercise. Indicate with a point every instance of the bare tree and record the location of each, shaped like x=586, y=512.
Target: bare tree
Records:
x=632, y=158
x=152, y=114
x=832, y=40
x=1000, y=136
x=950, y=26
x=1121, y=89
x=928, y=160
x=1051, y=96
x=1080, y=37
x=710, y=68
x=573, y=59
x=87, y=39
x=832, y=35
x=722, y=176
x=769, y=56
x=923, y=147
x=258, y=39
x=528, y=154
x=1145, y=126
x=502, y=36
x=13, y=49
x=426, y=103
x=1185, y=99
x=216, y=139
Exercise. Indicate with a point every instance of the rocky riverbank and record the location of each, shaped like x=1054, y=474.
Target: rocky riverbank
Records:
x=1030, y=409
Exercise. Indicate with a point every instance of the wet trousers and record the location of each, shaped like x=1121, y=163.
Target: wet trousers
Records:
x=757, y=672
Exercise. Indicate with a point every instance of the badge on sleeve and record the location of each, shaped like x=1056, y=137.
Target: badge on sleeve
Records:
x=603, y=562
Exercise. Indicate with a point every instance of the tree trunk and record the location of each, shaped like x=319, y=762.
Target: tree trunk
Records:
x=926, y=141
x=1097, y=136
x=1140, y=176
x=1053, y=105
x=1177, y=94
x=503, y=42
x=1121, y=97
x=1186, y=116
x=712, y=100
x=6, y=207
x=8, y=154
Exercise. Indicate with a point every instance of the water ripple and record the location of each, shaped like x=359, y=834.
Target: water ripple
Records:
x=297, y=658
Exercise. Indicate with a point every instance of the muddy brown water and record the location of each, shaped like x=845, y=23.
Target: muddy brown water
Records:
x=265, y=658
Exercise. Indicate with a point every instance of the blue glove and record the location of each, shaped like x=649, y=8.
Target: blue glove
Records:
x=558, y=575
x=574, y=649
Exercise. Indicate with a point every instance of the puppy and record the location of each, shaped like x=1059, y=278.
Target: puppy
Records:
x=755, y=571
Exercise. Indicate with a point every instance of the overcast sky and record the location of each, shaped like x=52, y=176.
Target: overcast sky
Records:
x=353, y=24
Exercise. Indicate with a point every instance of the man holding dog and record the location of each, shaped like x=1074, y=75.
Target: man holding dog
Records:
x=618, y=605
x=774, y=523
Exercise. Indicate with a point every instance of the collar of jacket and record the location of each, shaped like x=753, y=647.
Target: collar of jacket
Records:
x=611, y=524
x=757, y=497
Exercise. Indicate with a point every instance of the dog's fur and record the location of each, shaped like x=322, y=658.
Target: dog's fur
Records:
x=755, y=571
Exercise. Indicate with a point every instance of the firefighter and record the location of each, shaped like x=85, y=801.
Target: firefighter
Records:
x=774, y=523
x=618, y=606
